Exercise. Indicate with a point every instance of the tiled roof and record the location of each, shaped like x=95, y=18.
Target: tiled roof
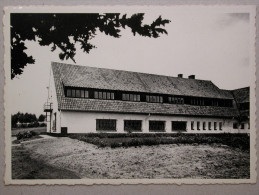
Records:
x=101, y=78
x=95, y=105
x=241, y=95
x=78, y=76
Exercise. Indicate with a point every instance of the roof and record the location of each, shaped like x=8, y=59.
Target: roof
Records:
x=109, y=79
x=241, y=95
x=80, y=76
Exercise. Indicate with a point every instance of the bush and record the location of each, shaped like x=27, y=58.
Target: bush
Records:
x=105, y=139
x=24, y=135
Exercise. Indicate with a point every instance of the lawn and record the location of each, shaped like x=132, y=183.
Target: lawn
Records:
x=24, y=167
x=86, y=160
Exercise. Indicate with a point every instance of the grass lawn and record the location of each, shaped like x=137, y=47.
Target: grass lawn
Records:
x=24, y=167
x=57, y=155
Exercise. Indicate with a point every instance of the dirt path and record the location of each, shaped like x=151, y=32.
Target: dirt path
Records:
x=164, y=161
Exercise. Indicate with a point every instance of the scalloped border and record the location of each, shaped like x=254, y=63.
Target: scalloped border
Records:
x=48, y=8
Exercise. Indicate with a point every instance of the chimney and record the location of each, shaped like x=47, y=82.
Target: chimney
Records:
x=191, y=77
x=180, y=75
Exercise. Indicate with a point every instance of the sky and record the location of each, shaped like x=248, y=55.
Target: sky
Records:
x=212, y=46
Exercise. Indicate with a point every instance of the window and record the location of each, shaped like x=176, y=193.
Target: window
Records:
x=215, y=125
x=204, y=125
x=82, y=93
x=86, y=94
x=179, y=125
x=192, y=125
x=132, y=125
x=106, y=124
x=156, y=125
x=54, y=127
x=131, y=97
x=220, y=125
x=78, y=93
x=242, y=126
x=73, y=93
x=175, y=100
x=154, y=99
x=209, y=125
x=104, y=95
x=69, y=93
x=235, y=126
x=96, y=95
x=198, y=125
x=248, y=125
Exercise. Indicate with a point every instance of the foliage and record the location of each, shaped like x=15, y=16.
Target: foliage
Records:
x=24, y=135
x=26, y=120
x=63, y=31
x=41, y=118
x=240, y=141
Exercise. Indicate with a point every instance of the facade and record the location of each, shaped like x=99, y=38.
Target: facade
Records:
x=86, y=99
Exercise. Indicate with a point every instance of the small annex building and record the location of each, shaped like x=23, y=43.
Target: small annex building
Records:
x=85, y=99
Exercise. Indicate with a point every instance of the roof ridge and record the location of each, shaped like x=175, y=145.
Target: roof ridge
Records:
x=127, y=71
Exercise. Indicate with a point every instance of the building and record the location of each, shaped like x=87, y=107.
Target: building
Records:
x=86, y=99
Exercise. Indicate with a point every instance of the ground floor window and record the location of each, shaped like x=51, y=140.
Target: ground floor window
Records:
x=235, y=126
x=209, y=124
x=204, y=125
x=242, y=126
x=54, y=126
x=132, y=125
x=215, y=125
x=179, y=125
x=198, y=125
x=220, y=125
x=192, y=125
x=156, y=125
x=106, y=124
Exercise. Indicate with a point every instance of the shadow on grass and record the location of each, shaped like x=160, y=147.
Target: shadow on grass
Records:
x=24, y=167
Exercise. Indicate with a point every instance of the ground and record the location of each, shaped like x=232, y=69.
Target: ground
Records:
x=85, y=160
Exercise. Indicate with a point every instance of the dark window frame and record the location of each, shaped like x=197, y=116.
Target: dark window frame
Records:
x=130, y=126
x=179, y=125
x=157, y=126
x=106, y=124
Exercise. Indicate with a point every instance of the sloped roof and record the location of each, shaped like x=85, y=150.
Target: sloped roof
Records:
x=101, y=78
x=78, y=76
x=95, y=105
x=242, y=95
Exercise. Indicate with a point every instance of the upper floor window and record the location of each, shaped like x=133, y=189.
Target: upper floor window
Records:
x=131, y=97
x=104, y=95
x=175, y=100
x=154, y=98
x=78, y=93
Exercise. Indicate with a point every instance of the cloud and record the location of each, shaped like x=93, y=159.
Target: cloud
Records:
x=233, y=18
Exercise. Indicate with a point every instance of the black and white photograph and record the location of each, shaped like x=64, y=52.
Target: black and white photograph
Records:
x=137, y=94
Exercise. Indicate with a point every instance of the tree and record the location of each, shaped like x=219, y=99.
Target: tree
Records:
x=63, y=31
x=41, y=118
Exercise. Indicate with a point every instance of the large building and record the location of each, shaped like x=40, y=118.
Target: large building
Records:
x=86, y=99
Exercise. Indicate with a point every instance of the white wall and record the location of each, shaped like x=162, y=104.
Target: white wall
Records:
x=85, y=122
